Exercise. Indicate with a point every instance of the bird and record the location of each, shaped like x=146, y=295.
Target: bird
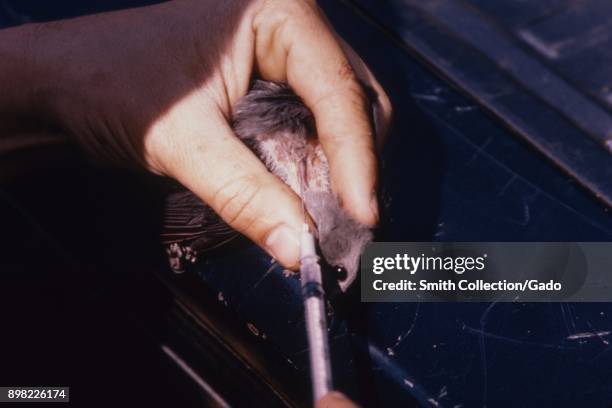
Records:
x=278, y=127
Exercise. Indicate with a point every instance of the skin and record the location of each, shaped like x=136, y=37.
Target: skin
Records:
x=335, y=400
x=153, y=88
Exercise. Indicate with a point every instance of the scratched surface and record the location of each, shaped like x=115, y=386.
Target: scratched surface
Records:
x=507, y=64
x=449, y=173
x=568, y=34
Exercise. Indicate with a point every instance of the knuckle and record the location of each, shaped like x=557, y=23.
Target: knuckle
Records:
x=284, y=19
x=284, y=11
x=346, y=72
x=347, y=94
x=235, y=201
x=156, y=152
x=353, y=91
x=160, y=150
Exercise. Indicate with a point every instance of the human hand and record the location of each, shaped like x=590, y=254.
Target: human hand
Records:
x=335, y=400
x=154, y=87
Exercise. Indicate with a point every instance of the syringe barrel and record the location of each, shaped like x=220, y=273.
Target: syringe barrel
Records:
x=316, y=322
x=320, y=367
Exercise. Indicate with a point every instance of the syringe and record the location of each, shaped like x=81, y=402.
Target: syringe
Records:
x=314, y=309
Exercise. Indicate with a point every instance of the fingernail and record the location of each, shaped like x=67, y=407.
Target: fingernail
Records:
x=336, y=394
x=284, y=245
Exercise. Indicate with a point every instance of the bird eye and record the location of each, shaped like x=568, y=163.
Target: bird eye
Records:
x=340, y=271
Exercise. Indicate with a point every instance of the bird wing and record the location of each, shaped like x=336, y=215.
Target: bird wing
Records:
x=190, y=222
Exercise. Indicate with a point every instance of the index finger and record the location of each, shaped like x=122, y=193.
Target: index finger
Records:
x=317, y=69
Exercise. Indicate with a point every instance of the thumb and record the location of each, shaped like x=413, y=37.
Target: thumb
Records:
x=207, y=158
x=335, y=399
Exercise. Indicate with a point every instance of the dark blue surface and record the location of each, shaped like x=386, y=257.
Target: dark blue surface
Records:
x=449, y=173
